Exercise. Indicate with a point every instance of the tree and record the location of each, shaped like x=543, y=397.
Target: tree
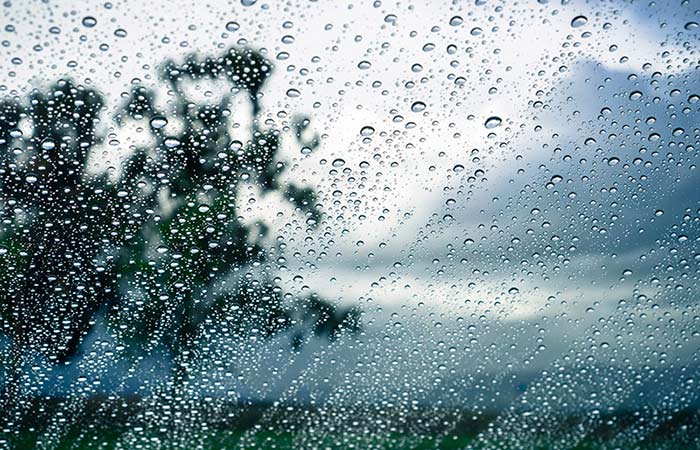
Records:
x=162, y=250
x=56, y=222
x=193, y=262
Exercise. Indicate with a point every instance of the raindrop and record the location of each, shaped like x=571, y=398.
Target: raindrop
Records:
x=456, y=21
x=232, y=26
x=691, y=26
x=293, y=93
x=31, y=178
x=89, y=21
x=158, y=122
x=171, y=142
x=418, y=106
x=579, y=21
x=338, y=162
x=367, y=131
x=492, y=122
x=248, y=2
x=476, y=31
x=635, y=95
x=364, y=65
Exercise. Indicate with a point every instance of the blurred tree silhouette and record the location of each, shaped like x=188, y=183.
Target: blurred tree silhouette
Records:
x=56, y=224
x=194, y=265
x=162, y=250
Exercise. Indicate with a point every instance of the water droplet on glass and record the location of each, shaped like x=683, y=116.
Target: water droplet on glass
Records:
x=492, y=122
x=635, y=95
x=89, y=21
x=364, y=65
x=418, y=106
x=579, y=21
x=158, y=122
x=338, y=162
x=248, y=2
x=232, y=26
x=120, y=32
x=293, y=93
x=456, y=21
x=171, y=142
x=367, y=131
x=691, y=26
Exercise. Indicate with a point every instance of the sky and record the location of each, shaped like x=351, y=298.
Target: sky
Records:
x=564, y=239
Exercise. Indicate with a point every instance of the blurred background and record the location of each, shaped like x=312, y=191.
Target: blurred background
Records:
x=371, y=224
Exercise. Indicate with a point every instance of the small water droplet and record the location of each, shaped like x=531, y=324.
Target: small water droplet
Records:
x=171, y=142
x=232, y=26
x=691, y=26
x=456, y=21
x=120, y=32
x=293, y=93
x=338, y=162
x=364, y=65
x=579, y=21
x=367, y=131
x=635, y=95
x=492, y=122
x=89, y=21
x=158, y=122
x=418, y=106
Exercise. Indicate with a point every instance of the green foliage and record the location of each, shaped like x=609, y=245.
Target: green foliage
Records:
x=56, y=222
x=162, y=250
